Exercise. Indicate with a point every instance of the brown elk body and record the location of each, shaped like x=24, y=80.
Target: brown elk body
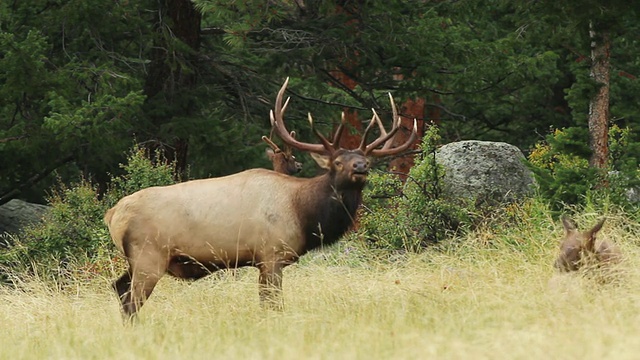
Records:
x=283, y=161
x=257, y=218
x=578, y=248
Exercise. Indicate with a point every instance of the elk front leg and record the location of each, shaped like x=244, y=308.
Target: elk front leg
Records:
x=270, y=286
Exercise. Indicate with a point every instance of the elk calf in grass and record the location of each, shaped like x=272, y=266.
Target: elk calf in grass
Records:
x=257, y=217
x=578, y=249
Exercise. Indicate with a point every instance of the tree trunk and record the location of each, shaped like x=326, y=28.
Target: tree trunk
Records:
x=166, y=80
x=599, y=103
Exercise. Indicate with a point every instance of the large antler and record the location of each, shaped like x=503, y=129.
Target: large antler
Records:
x=277, y=122
x=385, y=137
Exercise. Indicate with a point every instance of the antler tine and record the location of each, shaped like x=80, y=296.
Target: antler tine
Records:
x=383, y=132
x=278, y=106
x=279, y=112
x=363, y=141
x=387, y=138
x=277, y=122
x=395, y=122
x=394, y=112
x=396, y=150
x=329, y=146
x=271, y=144
x=338, y=133
x=396, y=118
x=381, y=139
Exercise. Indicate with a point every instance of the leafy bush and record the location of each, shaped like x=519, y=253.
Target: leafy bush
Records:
x=624, y=178
x=73, y=232
x=562, y=170
x=411, y=215
x=141, y=171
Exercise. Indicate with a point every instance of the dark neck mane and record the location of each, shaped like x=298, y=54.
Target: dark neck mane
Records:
x=332, y=211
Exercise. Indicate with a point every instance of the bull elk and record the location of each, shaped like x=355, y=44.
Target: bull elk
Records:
x=578, y=249
x=283, y=160
x=257, y=217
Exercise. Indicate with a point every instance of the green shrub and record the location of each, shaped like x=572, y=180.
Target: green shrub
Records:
x=562, y=170
x=73, y=233
x=411, y=215
x=624, y=177
x=141, y=171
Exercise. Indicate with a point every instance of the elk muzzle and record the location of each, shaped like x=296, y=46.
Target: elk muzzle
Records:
x=359, y=170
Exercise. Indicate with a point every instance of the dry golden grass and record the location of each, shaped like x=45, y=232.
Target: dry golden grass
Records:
x=483, y=300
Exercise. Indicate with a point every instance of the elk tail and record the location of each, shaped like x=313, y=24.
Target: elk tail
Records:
x=107, y=217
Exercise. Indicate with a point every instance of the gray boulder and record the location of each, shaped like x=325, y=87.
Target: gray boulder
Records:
x=489, y=172
x=16, y=214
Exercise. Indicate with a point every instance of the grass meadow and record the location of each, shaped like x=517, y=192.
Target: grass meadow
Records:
x=490, y=295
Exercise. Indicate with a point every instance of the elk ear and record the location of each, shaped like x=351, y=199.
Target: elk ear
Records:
x=270, y=154
x=321, y=160
x=568, y=223
x=596, y=227
x=590, y=243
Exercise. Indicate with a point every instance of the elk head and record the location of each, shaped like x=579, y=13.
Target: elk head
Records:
x=578, y=249
x=347, y=167
x=283, y=160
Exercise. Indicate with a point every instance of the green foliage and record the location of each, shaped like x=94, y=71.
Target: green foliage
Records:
x=80, y=78
x=623, y=178
x=565, y=178
x=414, y=214
x=141, y=171
x=70, y=89
x=562, y=169
x=71, y=226
x=73, y=232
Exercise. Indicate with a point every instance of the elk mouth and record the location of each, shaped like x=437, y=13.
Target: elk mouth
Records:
x=359, y=176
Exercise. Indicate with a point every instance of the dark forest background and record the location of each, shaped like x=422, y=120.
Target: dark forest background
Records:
x=82, y=81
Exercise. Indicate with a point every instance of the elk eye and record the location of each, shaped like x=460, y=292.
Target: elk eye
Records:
x=337, y=163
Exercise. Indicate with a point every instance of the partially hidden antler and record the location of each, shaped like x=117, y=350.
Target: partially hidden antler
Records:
x=273, y=145
x=276, y=149
x=326, y=146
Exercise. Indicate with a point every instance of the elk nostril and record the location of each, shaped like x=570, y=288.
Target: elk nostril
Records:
x=360, y=166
